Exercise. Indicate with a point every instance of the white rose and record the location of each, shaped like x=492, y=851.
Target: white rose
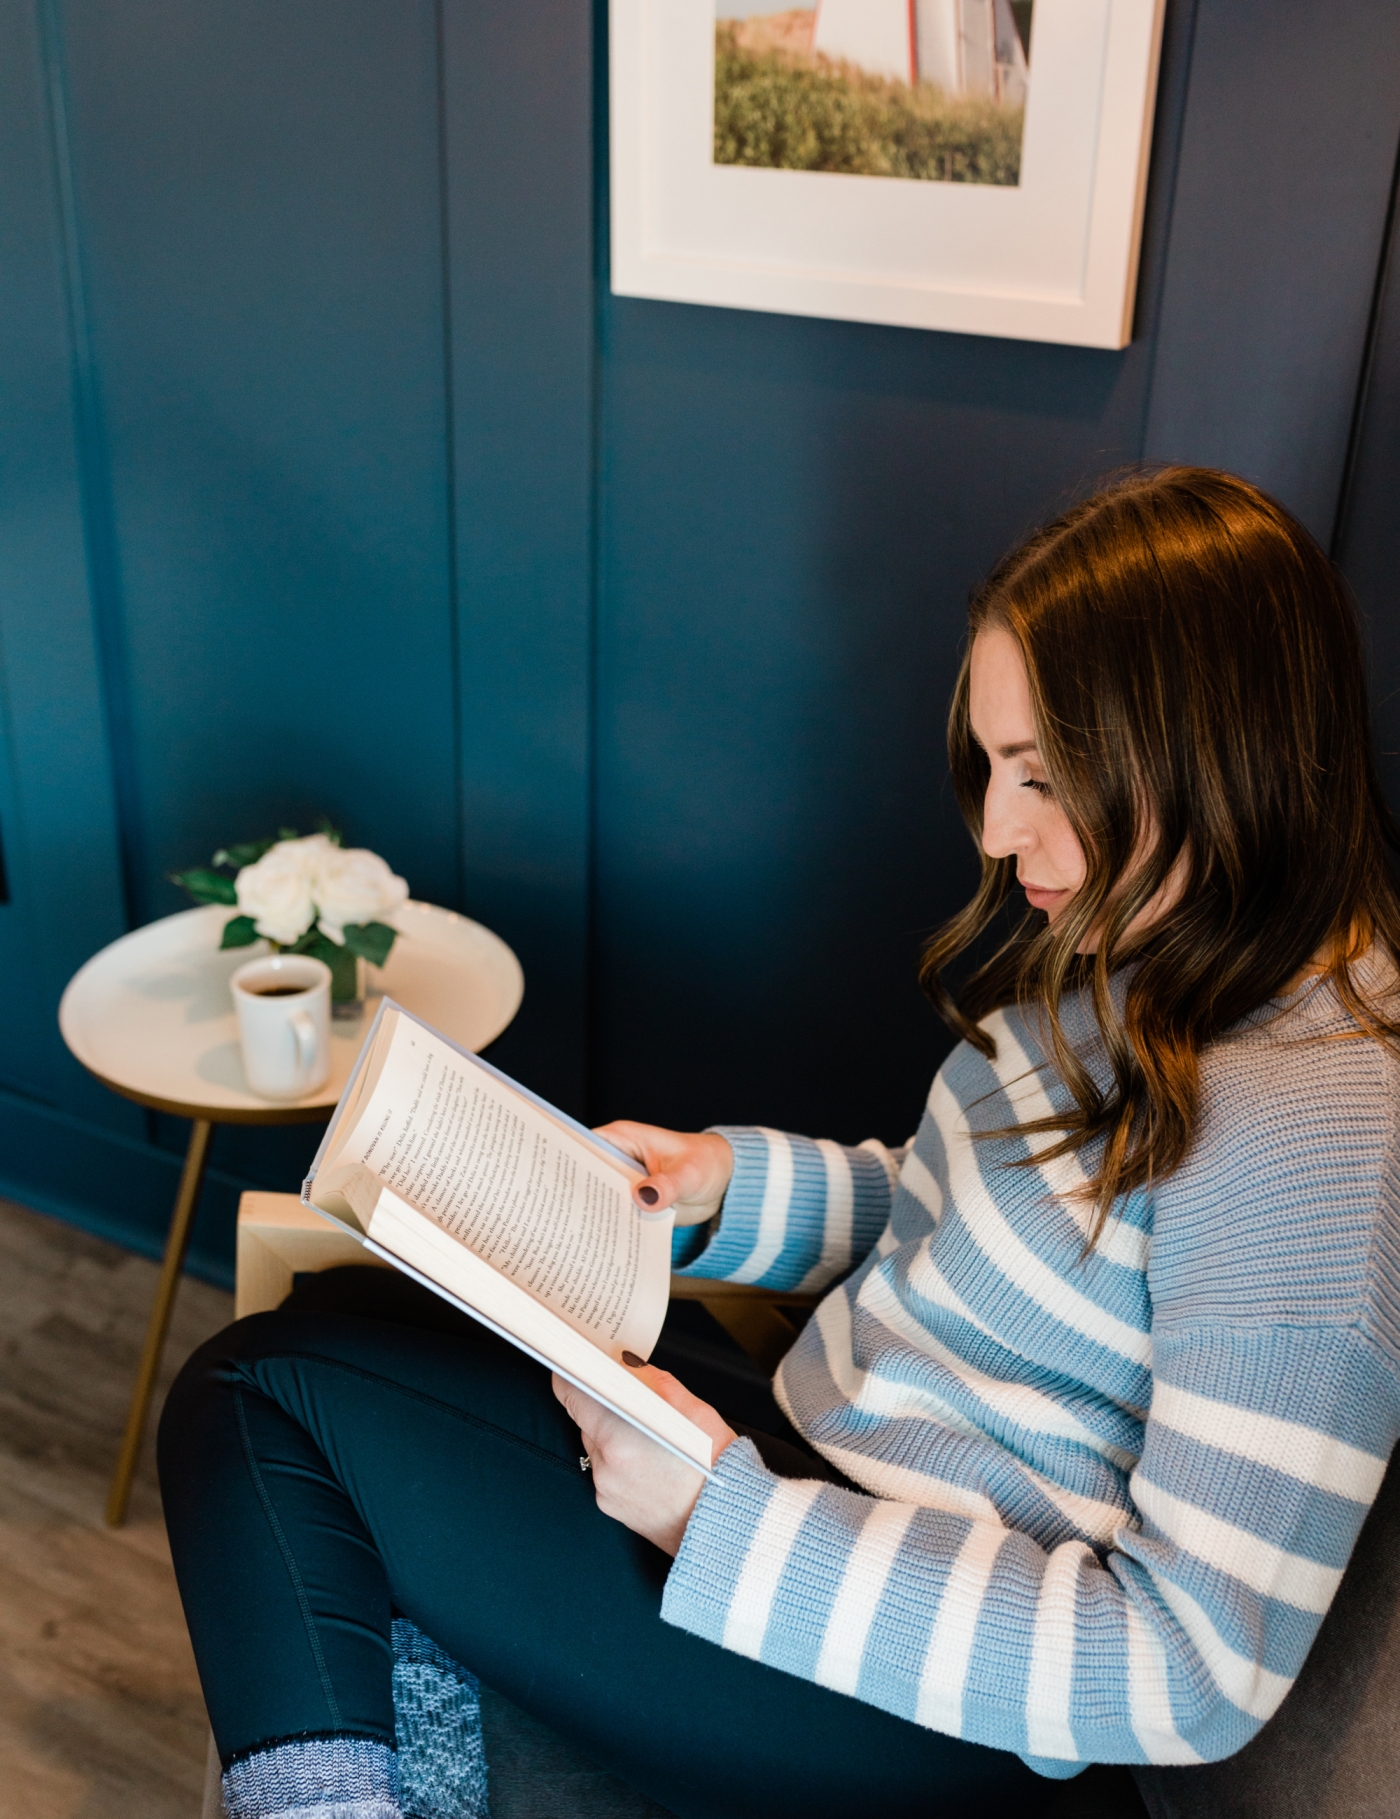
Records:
x=354, y=885
x=276, y=892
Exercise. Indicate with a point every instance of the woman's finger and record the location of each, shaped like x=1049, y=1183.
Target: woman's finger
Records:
x=582, y=1410
x=599, y=1426
x=627, y=1137
x=686, y=1169
x=654, y=1149
x=707, y=1419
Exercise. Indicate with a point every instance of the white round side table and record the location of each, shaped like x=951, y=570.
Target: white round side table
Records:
x=152, y=1017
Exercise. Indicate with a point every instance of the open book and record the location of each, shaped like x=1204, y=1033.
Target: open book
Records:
x=520, y=1217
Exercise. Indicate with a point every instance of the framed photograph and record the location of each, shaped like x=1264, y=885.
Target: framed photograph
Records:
x=974, y=165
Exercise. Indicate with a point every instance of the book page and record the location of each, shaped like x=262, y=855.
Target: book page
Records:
x=519, y=1189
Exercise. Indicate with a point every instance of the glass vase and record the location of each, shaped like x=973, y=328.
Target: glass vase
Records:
x=347, y=985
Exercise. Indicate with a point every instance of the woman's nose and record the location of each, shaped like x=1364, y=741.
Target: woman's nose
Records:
x=1004, y=832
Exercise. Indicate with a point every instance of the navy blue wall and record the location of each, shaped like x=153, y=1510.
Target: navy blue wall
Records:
x=333, y=480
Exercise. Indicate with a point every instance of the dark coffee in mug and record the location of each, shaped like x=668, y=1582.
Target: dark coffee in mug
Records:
x=277, y=991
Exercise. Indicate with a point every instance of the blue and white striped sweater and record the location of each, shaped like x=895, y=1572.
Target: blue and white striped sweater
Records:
x=1113, y=1495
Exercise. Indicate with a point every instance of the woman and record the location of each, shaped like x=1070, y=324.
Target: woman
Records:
x=1068, y=1467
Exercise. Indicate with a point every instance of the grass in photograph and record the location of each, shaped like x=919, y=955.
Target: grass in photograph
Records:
x=809, y=114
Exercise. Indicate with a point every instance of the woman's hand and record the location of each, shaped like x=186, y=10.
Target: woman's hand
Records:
x=686, y=1170
x=637, y=1482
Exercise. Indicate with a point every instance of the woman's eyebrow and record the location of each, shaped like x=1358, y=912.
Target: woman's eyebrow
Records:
x=1009, y=751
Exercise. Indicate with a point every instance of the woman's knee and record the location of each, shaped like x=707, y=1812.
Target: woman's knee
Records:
x=200, y=1397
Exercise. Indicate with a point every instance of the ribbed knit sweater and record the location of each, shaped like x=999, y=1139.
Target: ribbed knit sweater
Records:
x=1110, y=1495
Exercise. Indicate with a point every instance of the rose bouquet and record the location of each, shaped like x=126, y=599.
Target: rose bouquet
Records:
x=306, y=895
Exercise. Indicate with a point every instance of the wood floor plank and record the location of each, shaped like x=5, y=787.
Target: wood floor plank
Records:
x=101, y=1715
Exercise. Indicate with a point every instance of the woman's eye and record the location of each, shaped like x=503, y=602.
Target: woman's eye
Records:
x=1035, y=783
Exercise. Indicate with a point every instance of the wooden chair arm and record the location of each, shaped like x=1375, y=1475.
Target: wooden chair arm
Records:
x=278, y=1237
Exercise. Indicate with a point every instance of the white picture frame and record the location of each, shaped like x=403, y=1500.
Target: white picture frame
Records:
x=1052, y=259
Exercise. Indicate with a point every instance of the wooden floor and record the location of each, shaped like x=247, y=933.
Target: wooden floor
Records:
x=100, y=1709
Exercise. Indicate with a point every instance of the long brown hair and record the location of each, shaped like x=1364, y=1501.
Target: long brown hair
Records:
x=1197, y=684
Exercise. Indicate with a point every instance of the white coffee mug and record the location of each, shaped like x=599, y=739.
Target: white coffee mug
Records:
x=284, y=1023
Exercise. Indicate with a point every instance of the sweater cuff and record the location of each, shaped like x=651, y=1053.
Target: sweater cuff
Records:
x=797, y=1214
x=733, y=1512
x=715, y=1547
x=688, y=1243
x=718, y=1249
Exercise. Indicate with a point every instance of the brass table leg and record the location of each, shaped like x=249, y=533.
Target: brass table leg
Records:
x=176, y=1244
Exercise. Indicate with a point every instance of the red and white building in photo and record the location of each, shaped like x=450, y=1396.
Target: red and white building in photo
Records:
x=964, y=47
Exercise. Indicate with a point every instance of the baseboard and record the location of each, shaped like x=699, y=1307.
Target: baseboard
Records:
x=112, y=1186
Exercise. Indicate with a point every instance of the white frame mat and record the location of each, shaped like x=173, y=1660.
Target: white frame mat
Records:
x=1053, y=259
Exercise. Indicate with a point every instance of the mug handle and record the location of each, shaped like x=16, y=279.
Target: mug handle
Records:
x=304, y=1031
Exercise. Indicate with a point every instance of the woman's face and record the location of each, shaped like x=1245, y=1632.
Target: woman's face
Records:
x=1020, y=818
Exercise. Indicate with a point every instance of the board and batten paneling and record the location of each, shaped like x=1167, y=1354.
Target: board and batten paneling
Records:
x=332, y=480
x=794, y=513
x=1367, y=542
x=1288, y=151
x=57, y=810
x=517, y=141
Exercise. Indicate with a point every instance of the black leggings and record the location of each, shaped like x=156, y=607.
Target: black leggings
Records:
x=366, y=1449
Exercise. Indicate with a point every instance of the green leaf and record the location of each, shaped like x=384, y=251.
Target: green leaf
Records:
x=206, y=886
x=331, y=831
x=247, y=852
x=239, y=931
x=286, y=833
x=370, y=940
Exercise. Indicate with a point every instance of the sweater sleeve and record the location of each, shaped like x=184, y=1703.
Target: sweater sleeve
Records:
x=1172, y=1645
x=798, y=1214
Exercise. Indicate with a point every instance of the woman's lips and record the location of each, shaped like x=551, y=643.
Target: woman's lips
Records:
x=1041, y=897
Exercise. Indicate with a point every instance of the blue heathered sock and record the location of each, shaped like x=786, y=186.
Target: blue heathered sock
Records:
x=437, y=1724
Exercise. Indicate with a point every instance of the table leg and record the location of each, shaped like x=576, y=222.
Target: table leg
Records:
x=176, y=1244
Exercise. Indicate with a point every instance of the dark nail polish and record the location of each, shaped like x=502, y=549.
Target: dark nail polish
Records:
x=632, y=1359
x=648, y=1196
